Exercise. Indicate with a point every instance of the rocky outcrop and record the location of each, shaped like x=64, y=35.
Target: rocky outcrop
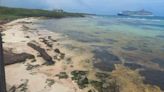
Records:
x=42, y=52
x=12, y=58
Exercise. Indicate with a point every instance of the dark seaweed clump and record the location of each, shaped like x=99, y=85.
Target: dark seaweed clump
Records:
x=81, y=78
x=105, y=86
x=154, y=77
x=107, y=60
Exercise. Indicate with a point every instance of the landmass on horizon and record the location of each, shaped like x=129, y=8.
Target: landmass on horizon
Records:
x=135, y=13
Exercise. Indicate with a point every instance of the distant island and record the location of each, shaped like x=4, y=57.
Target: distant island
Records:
x=135, y=13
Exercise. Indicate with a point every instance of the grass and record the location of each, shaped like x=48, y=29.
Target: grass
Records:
x=7, y=13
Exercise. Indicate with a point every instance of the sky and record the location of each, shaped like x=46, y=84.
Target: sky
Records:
x=106, y=7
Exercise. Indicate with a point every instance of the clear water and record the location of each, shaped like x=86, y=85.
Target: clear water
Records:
x=138, y=42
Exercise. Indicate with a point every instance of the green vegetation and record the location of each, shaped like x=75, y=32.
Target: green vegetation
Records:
x=15, y=13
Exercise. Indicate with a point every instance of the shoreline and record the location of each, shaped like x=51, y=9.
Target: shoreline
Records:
x=16, y=36
x=69, y=60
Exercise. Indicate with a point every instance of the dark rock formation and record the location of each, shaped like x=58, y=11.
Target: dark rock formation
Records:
x=30, y=67
x=57, y=50
x=50, y=82
x=45, y=41
x=62, y=75
x=42, y=52
x=11, y=58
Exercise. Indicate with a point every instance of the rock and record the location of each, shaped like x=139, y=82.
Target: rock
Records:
x=62, y=55
x=91, y=90
x=12, y=89
x=34, y=60
x=57, y=51
x=45, y=41
x=12, y=58
x=23, y=87
x=30, y=67
x=50, y=82
x=62, y=75
x=43, y=53
x=27, y=36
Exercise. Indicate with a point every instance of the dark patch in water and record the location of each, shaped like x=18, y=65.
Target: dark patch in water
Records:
x=159, y=61
x=154, y=77
x=133, y=66
x=160, y=36
x=111, y=41
x=82, y=37
x=107, y=60
x=104, y=23
x=147, y=50
x=131, y=58
x=101, y=47
x=100, y=32
x=129, y=48
x=104, y=66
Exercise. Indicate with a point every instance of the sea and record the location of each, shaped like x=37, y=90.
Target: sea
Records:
x=136, y=42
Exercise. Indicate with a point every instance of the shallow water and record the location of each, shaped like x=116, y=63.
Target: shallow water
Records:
x=134, y=41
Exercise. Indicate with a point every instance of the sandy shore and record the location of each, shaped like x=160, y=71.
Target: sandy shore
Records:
x=72, y=70
x=20, y=32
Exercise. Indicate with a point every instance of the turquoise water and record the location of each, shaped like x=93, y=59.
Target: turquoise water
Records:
x=136, y=42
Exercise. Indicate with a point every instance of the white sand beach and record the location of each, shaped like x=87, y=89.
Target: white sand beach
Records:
x=17, y=34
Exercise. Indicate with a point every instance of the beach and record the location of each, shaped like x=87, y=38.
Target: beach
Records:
x=54, y=62
x=16, y=40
